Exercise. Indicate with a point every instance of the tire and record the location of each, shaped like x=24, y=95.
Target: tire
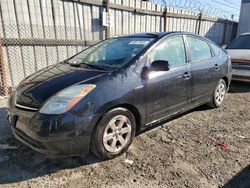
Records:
x=113, y=134
x=218, y=94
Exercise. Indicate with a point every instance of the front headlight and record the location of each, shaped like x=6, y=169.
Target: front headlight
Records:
x=66, y=99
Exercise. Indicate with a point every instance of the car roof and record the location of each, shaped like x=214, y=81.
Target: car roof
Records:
x=158, y=34
x=244, y=34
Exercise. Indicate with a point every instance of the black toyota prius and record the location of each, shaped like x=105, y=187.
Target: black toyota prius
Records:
x=98, y=99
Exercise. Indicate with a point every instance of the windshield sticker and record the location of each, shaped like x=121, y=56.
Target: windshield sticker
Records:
x=140, y=42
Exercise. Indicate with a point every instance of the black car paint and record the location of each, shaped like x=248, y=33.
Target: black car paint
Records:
x=50, y=81
x=151, y=100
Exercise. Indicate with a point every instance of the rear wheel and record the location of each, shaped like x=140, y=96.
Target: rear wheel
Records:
x=219, y=94
x=114, y=134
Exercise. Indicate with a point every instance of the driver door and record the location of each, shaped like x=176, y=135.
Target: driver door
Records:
x=169, y=91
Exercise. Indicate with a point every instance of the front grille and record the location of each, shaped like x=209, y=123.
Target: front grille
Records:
x=237, y=64
x=240, y=61
x=241, y=77
x=240, y=66
x=17, y=98
x=22, y=107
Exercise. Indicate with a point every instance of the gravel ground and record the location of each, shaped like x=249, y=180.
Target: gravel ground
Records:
x=202, y=148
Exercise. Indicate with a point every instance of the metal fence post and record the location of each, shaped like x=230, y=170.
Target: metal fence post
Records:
x=225, y=32
x=106, y=4
x=198, y=31
x=3, y=71
x=165, y=14
x=232, y=34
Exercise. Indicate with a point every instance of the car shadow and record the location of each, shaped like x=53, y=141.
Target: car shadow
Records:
x=239, y=87
x=241, y=180
x=19, y=163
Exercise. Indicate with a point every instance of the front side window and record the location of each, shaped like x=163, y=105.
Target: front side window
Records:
x=199, y=49
x=112, y=53
x=171, y=50
x=242, y=42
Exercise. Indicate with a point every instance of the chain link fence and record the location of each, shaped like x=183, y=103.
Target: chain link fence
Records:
x=37, y=33
x=20, y=57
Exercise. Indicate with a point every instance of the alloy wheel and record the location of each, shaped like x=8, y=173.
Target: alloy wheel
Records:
x=220, y=93
x=117, y=134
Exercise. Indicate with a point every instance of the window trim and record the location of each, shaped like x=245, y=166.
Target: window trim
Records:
x=189, y=49
x=212, y=49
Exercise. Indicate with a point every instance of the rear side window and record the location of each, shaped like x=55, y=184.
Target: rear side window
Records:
x=242, y=42
x=171, y=50
x=199, y=49
x=216, y=49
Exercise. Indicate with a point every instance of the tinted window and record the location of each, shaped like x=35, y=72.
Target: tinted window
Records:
x=242, y=42
x=171, y=50
x=112, y=53
x=199, y=49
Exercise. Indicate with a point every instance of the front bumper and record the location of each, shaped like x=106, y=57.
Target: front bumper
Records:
x=53, y=135
x=51, y=149
x=241, y=75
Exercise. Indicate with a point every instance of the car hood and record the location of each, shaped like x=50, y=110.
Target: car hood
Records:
x=239, y=54
x=37, y=88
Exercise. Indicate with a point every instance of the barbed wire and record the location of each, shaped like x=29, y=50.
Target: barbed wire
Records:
x=198, y=6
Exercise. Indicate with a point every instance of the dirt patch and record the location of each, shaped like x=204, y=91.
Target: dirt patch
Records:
x=202, y=148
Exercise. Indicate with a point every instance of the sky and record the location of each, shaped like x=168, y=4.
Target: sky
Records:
x=219, y=6
x=232, y=6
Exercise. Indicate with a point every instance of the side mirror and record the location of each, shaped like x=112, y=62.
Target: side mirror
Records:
x=159, y=65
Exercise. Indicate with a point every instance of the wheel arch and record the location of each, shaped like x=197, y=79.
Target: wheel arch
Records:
x=226, y=80
x=127, y=106
x=133, y=109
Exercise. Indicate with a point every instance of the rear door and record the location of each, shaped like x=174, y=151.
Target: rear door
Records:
x=219, y=66
x=168, y=91
x=200, y=58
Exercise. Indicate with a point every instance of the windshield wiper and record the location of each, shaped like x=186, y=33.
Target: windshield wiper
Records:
x=78, y=63
x=93, y=66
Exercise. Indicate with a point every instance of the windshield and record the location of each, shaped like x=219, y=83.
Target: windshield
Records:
x=112, y=53
x=242, y=42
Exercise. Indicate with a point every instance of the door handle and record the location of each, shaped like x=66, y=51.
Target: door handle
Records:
x=186, y=75
x=216, y=67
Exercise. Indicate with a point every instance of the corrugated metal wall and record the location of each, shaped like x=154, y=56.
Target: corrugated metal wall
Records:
x=244, y=23
x=38, y=33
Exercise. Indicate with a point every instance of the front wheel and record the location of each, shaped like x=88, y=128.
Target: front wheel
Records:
x=219, y=94
x=114, y=134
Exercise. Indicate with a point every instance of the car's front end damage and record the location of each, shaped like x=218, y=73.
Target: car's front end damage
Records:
x=53, y=135
x=57, y=122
